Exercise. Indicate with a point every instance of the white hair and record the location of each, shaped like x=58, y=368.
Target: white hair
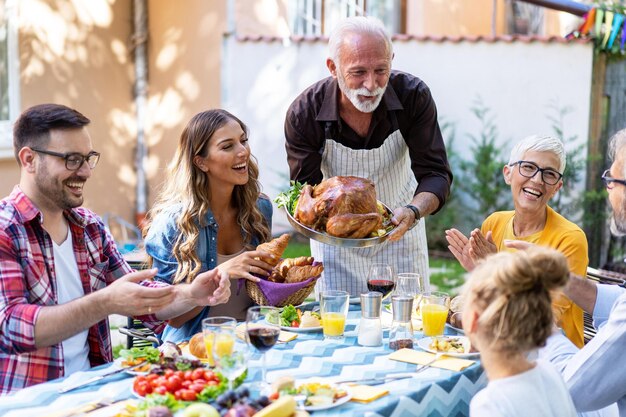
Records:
x=616, y=145
x=539, y=143
x=357, y=24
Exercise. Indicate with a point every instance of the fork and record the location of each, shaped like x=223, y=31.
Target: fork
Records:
x=422, y=367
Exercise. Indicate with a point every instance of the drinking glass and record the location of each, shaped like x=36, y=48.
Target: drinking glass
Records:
x=413, y=285
x=231, y=364
x=210, y=327
x=334, y=310
x=380, y=279
x=434, y=308
x=262, y=334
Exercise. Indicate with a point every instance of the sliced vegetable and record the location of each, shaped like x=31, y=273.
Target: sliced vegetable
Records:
x=289, y=199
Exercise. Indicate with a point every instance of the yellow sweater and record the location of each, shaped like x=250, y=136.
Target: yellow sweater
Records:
x=562, y=235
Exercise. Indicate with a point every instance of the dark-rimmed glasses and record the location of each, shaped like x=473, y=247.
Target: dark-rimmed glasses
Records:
x=74, y=160
x=608, y=181
x=529, y=169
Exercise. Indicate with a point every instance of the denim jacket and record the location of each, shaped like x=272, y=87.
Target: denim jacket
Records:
x=159, y=243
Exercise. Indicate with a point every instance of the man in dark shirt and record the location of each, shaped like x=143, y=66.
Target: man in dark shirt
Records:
x=368, y=121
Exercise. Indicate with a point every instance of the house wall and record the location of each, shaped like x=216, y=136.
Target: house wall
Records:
x=185, y=74
x=518, y=82
x=77, y=54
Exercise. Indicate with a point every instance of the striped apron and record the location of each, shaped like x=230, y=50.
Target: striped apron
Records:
x=389, y=167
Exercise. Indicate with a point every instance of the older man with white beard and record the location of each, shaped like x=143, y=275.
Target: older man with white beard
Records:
x=369, y=121
x=596, y=374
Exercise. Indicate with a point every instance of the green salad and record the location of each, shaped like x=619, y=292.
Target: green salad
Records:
x=289, y=198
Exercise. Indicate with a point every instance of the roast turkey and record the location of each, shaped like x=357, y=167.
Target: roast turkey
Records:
x=340, y=206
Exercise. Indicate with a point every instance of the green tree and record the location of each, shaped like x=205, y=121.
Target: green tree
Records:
x=482, y=180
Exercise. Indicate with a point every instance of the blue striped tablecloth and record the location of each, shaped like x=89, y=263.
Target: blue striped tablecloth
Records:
x=434, y=392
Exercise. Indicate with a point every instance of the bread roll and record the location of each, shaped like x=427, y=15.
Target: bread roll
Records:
x=302, y=273
x=284, y=265
x=275, y=247
x=197, y=347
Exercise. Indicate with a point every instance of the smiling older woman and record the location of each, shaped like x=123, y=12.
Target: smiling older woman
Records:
x=535, y=174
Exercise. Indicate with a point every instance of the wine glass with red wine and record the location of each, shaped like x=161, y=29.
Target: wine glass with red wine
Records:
x=380, y=278
x=262, y=333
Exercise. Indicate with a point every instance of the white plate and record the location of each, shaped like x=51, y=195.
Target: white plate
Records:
x=118, y=364
x=456, y=329
x=424, y=343
x=337, y=403
x=298, y=329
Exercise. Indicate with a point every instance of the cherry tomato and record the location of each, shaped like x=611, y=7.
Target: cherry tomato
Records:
x=188, y=395
x=197, y=373
x=151, y=377
x=212, y=382
x=208, y=375
x=180, y=374
x=197, y=388
x=177, y=395
x=186, y=383
x=274, y=396
x=143, y=388
x=188, y=375
x=173, y=383
x=161, y=389
x=295, y=323
x=168, y=373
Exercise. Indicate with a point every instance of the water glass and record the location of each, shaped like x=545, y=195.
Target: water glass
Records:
x=434, y=308
x=213, y=325
x=334, y=311
x=231, y=364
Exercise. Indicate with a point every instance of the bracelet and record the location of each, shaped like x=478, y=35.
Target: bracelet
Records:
x=416, y=212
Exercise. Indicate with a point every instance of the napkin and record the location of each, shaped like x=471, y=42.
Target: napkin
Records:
x=366, y=393
x=283, y=337
x=422, y=358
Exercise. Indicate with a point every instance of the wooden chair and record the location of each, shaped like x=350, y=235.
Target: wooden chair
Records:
x=601, y=276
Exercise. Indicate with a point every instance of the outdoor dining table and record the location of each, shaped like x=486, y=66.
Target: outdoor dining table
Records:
x=433, y=392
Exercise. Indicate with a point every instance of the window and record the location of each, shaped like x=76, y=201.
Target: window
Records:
x=524, y=18
x=319, y=17
x=9, y=74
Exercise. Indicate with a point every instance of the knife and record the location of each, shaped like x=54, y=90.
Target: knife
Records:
x=97, y=378
x=378, y=381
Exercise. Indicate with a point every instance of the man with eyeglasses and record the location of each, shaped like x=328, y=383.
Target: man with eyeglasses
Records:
x=61, y=274
x=534, y=172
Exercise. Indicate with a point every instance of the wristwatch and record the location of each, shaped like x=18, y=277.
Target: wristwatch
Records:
x=416, y=212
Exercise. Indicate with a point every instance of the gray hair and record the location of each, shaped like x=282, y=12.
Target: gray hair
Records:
x=539, y=143
x=357, y=24
x=616, y=145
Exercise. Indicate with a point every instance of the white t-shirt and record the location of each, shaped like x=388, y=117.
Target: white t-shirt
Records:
x=69, y=287
x=539, y=392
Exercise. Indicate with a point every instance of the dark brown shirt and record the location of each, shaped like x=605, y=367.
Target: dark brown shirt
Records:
x=406, y=105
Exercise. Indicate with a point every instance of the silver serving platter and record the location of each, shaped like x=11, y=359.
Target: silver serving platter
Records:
x=338, y=241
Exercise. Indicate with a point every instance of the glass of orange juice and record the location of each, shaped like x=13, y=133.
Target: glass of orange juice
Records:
x=334, y=310
x=218, y=330
x=434, y=308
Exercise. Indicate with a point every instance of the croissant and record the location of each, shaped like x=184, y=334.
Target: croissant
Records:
x=284, y=265
x=302, y=273
x=275, y=276
x=275, y=247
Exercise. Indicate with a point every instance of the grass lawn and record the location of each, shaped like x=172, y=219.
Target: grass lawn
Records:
x=445, y=274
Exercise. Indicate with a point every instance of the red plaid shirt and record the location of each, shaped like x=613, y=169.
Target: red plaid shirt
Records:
x=28, y=282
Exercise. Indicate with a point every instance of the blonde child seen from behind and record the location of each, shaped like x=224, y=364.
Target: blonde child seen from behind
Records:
x=507, y=314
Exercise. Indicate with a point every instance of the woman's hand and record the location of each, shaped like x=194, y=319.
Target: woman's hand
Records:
x=459, y=245
x=248, y=263
x=481, y=245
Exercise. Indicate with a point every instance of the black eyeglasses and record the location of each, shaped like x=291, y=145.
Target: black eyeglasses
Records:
x=74, y=160
x=608, y=181
x=529, y=169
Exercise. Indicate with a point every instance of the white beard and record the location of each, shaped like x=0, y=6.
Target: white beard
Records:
x=353, y=95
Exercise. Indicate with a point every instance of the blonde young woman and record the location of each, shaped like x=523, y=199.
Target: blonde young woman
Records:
x=507, y=314
x=535, y=174
x=210, y=213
